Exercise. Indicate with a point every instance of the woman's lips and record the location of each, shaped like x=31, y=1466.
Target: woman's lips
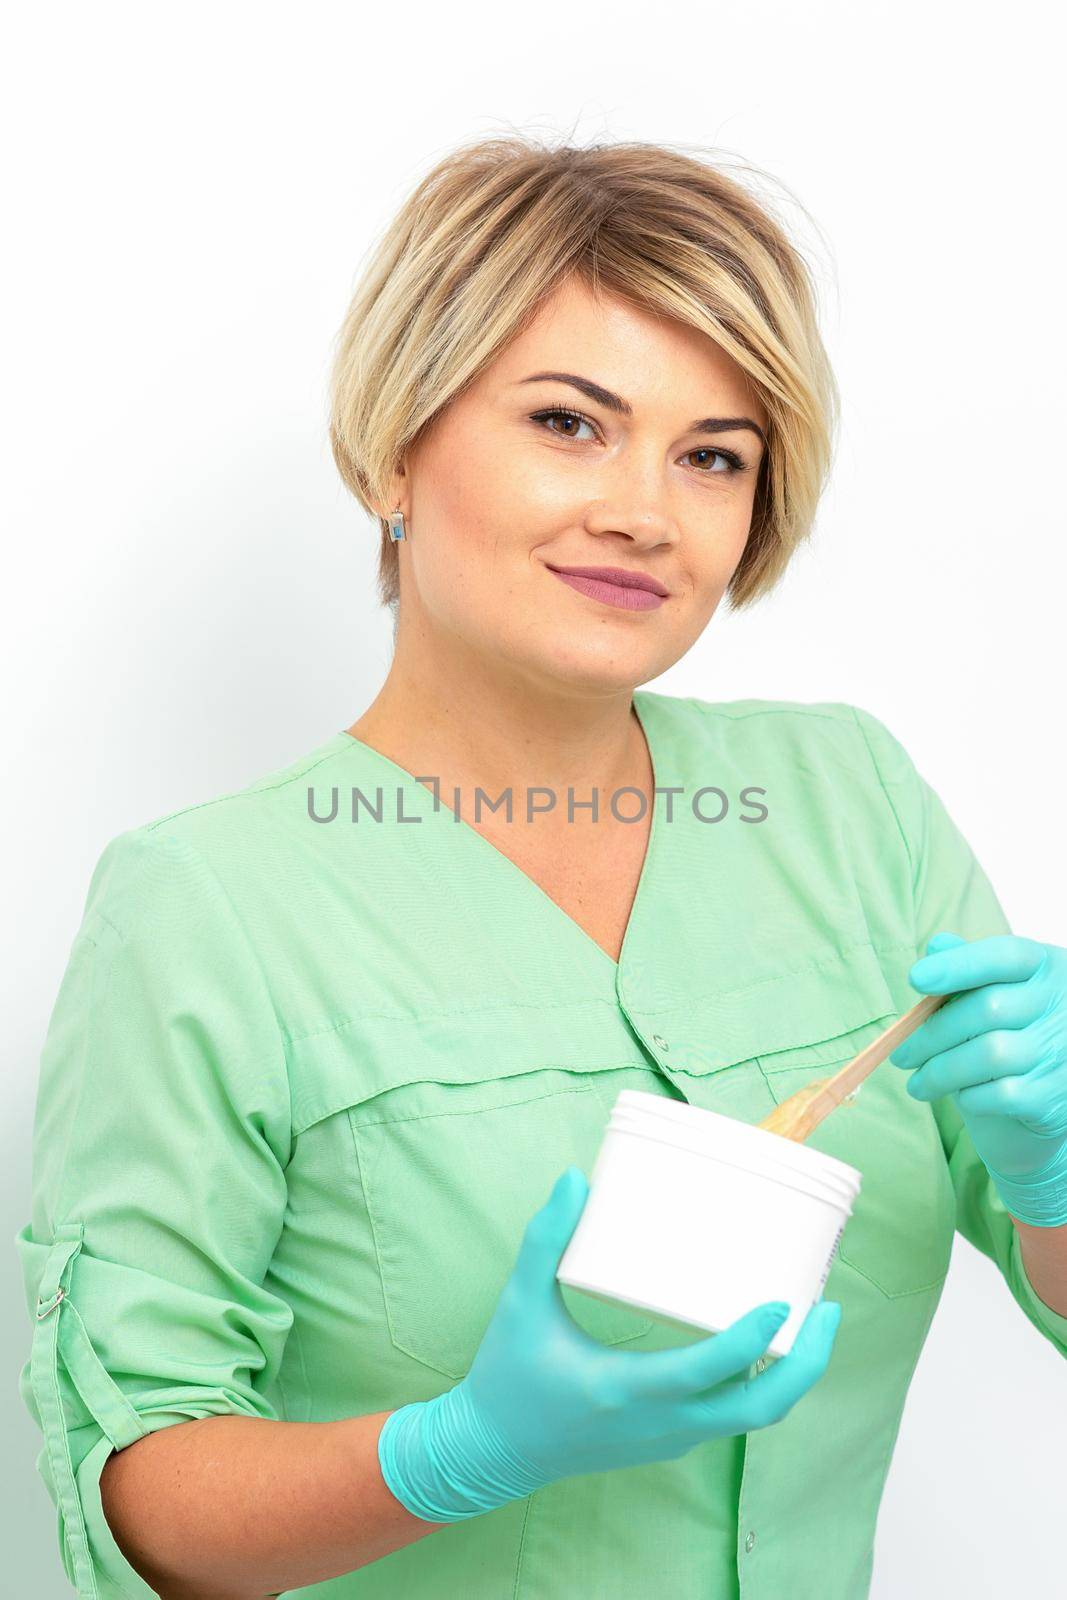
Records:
x=611, y=594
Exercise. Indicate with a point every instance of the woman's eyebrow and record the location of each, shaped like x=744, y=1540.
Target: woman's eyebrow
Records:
x=614, y=402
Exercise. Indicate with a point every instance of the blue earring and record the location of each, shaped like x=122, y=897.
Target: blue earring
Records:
x=396, y=525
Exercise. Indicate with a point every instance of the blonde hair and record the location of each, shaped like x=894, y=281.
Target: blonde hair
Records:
x=492, y=231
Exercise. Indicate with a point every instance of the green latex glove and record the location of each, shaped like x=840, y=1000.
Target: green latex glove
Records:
x=998, y=1046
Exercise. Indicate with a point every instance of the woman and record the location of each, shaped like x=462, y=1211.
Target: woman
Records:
x=324, y=1046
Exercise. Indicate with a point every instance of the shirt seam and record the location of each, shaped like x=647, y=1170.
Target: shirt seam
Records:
x=342, y=1023
x=183, y=844
x=474, y=1111
x=248, y=792
x=807, y=709
x=882, y=785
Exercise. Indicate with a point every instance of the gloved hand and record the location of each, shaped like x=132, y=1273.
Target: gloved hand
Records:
x=543, y=1400
x=999, y=1048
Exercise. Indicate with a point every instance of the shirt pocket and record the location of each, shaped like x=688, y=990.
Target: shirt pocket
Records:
x=458, y=1130
x=899, y=1236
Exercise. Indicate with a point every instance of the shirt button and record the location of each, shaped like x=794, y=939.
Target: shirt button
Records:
x=761, y=1364
x=662, y=1043
x=749, y=1542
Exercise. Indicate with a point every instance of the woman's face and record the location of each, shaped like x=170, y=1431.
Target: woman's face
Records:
x=497, y=496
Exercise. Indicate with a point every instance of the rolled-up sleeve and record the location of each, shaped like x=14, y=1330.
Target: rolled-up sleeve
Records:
x=952, y=893
x=161, y=1136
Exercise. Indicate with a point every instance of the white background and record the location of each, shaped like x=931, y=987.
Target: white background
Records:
x=188, y=595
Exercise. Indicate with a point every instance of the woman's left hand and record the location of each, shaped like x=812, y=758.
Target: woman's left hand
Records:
x=999, y=1047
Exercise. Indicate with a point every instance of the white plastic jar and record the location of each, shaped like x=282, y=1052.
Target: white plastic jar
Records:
x=697, y=1218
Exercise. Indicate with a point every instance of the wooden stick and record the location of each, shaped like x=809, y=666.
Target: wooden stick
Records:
x=801, y=1114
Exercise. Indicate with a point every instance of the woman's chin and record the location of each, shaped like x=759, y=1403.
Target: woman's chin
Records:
x=596, y=664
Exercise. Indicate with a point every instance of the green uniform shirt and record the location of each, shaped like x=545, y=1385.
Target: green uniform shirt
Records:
x=306, y=1081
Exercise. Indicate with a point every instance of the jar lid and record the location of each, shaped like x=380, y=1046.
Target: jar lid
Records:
x=713, y=1133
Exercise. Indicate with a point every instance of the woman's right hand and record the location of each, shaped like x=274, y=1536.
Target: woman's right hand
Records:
x=543, y=1400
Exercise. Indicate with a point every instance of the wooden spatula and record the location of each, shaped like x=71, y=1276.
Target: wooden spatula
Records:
x=801, y=1114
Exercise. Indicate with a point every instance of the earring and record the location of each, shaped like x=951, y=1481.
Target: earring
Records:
x=396, y=525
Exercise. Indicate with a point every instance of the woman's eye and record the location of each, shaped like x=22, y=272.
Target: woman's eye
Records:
x=733, y=462
x=567, y=416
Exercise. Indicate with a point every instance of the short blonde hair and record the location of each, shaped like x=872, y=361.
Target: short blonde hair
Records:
x=492, y=231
